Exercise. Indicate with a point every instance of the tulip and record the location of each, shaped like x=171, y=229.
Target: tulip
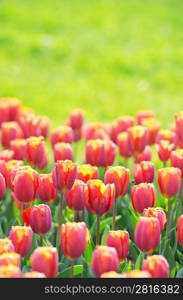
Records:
x=146, y=155
x=21, y=237
x=4, y=113
x=62, y=134
x=99, y=200
x=63, y=151
x=29, y=123
x=111, y=274
x=104, y=259
x=87, y=172
x=157, y=266
x=26, y=215
x=143, y=172
x=179, y=128
x=2, y=186
x=156, y=212
x=166, y=135
x=153, y=127
x=77, y=134
x=109, y=153
x=13, y=106
x=25, y=184
x=44, y=124
x=124, y=144
x=45, y=260
x=11, y=167
x=34, y=274
x=136, y=274
x=95, y=131
x=3, y=167
x=144, y=114
x=177, y=159
x=120, y=241
x=36, y=153
x=18, y=146
x=180, y=230
x=10, y=271
x=164, y=149
x=64, y=173
x=120, y=177
x=9, y=132
x=76, y=119
x=138, y=139
x=46, y=190
x=6, y=155
x=147, y=234
x=121, y=125
x=169, y=181
x=40, y=219
x=76, y=196
x=6, y=246
x=143, y=196
x=10, y=258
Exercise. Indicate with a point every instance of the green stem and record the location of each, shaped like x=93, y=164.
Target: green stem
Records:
x=76, y=216
x=98, y=230
x=41, y=240
x=164, y=164
x=114, y=215
x=72, y=269
x=60, y=219
x=168, y=219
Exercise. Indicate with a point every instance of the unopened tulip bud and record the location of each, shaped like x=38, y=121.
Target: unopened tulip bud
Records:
x=169, y=181
x=76, y=118
x=45, y=260
x=21, y=237
x=10, y=258
x=143, y=172
x=124, y=144
x=147, y=234
x=76, y=196
x=46, y=190
x=40, y=218
x=104, y=259
x=157, y=266
x=19, y=148
x=121, y=125
x=64, y=174
x=143, y=195
x=156, y=212
x=63, y=151
x=10, y=131
x=10, y=271
x=11, y=167
x=164, y=149
x=87, y=172
x=36, y=153
x=146, y=155
x=177, y=159
x=62, y=134
x=2, y=186
x=95, y=131
x=6, y=246
x=120, y=241
x=138, y=138
x=120, y=177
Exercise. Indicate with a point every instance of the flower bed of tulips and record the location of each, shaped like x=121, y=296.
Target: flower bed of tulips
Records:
x=90, y=199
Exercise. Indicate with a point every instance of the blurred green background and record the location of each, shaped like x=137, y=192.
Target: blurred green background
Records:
x=109, y=57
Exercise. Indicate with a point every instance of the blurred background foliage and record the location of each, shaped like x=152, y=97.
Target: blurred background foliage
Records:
x=109, y=57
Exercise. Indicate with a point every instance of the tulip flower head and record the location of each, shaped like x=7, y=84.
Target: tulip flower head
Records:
x=21, y=237
x=143, y=195
x=36, y=153
x=119, y=240
x=10, y=271
x=156, y=212
x=120, y=177
x=10, y=258
x=180, y=230
x=6, y=246
x=64, y=174
x=87, y=172
x=138, y=138
x=144, y=172
x=76, y=196
x=157, y=266
x=40, y=218
x=46, y=189
x=2, y=186
x=177, y=159
x=164, y=149
x=63, y=151
x=169, y=181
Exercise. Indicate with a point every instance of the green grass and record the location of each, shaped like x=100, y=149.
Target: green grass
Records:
x=109, y=57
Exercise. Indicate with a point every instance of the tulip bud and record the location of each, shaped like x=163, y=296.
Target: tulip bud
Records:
x=14, y=106
x=179, y=128
x=153, y=127
x=64, y=174
x=166, y=135
x=104, y=259
x=156, y=212
x=11, y=167
x=18, y=146
x=95, y=131
x=10, y=131
x=143, y=172
x=25, y=184
x=146, y=155
x=87, y=172
x=29, y=123
x=45, y=260
x=100, y=197
x=169, y=181
x=36, y=153
x=44, y=124
x=180, y=230
x=143, y=195
x=63, y=151
x=147, y=234
x=34, y=275
x=21, y=237
x=144, y=114
x=6, y=246
x=2, y=186
x=62, y=134
x=177, y=159
x=164, y=149
x=157, y=266
x=10, y=258
x=136, y=274
x=120, y=177
x=76, y=196
x=120, y=241
x=138, y=139
x=40, y=218
x=124, y=144
x=10, y=271
x=46, y=190
x=6, y=155
x=76, y=119
x=73, y=239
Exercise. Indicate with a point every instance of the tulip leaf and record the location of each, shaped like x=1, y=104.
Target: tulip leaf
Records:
x=107, y=221
x=180, y=257
x=123, y=266
x=78, y=270
x=104, y=236
x=133, y=251
x=88, y=252
x=180, y=273
x=139, y=261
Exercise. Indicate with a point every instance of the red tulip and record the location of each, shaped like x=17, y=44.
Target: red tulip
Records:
x=10, y=131
x=111, y=274
x=143, y=195
x=177, y=159
x=64, y=174
x=10, y=258
x=21, y=237
x=73, y=239
x=157, y=266
x=45, y=260
x=95, y=131
x=146, y=155
x=13, y=106
x=121, y=125
x=124, y=144
x=34, y=274
x=169, y=181
x=26, y=215
x=36, y=153
x=11, y=167
x=44, y=124
x=153, y=127
x=87, y=172
x=46, y=190
x=40, y=218
x=30, y=124
x=18, y=146
x=3, y=167
x=138, y=138
x=164, y=149
x=6, y=246
x=63, y=151
x=10, y=272
x=76, y=119
x=166, y=135
x=6, y=155
x=136, y=274
x=156, y=212
x=3, y=112
x=179, y=128
x=180, y=230
x=104, y=259
x=100, y=197
x=120, y=241
x=120, y=177
x=76, y=196
x=143, y=172
x=62, y=134
x=144, y=114
x=2, y=186
x=147, y=234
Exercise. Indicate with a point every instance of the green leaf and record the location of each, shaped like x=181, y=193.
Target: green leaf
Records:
x=78, y=270
x=180, y=257
x=107, y=221
x=133, y=251
x=139, y=261
x=123, y=266
x=104, y=236
x=88, y=252
x=180, y=273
